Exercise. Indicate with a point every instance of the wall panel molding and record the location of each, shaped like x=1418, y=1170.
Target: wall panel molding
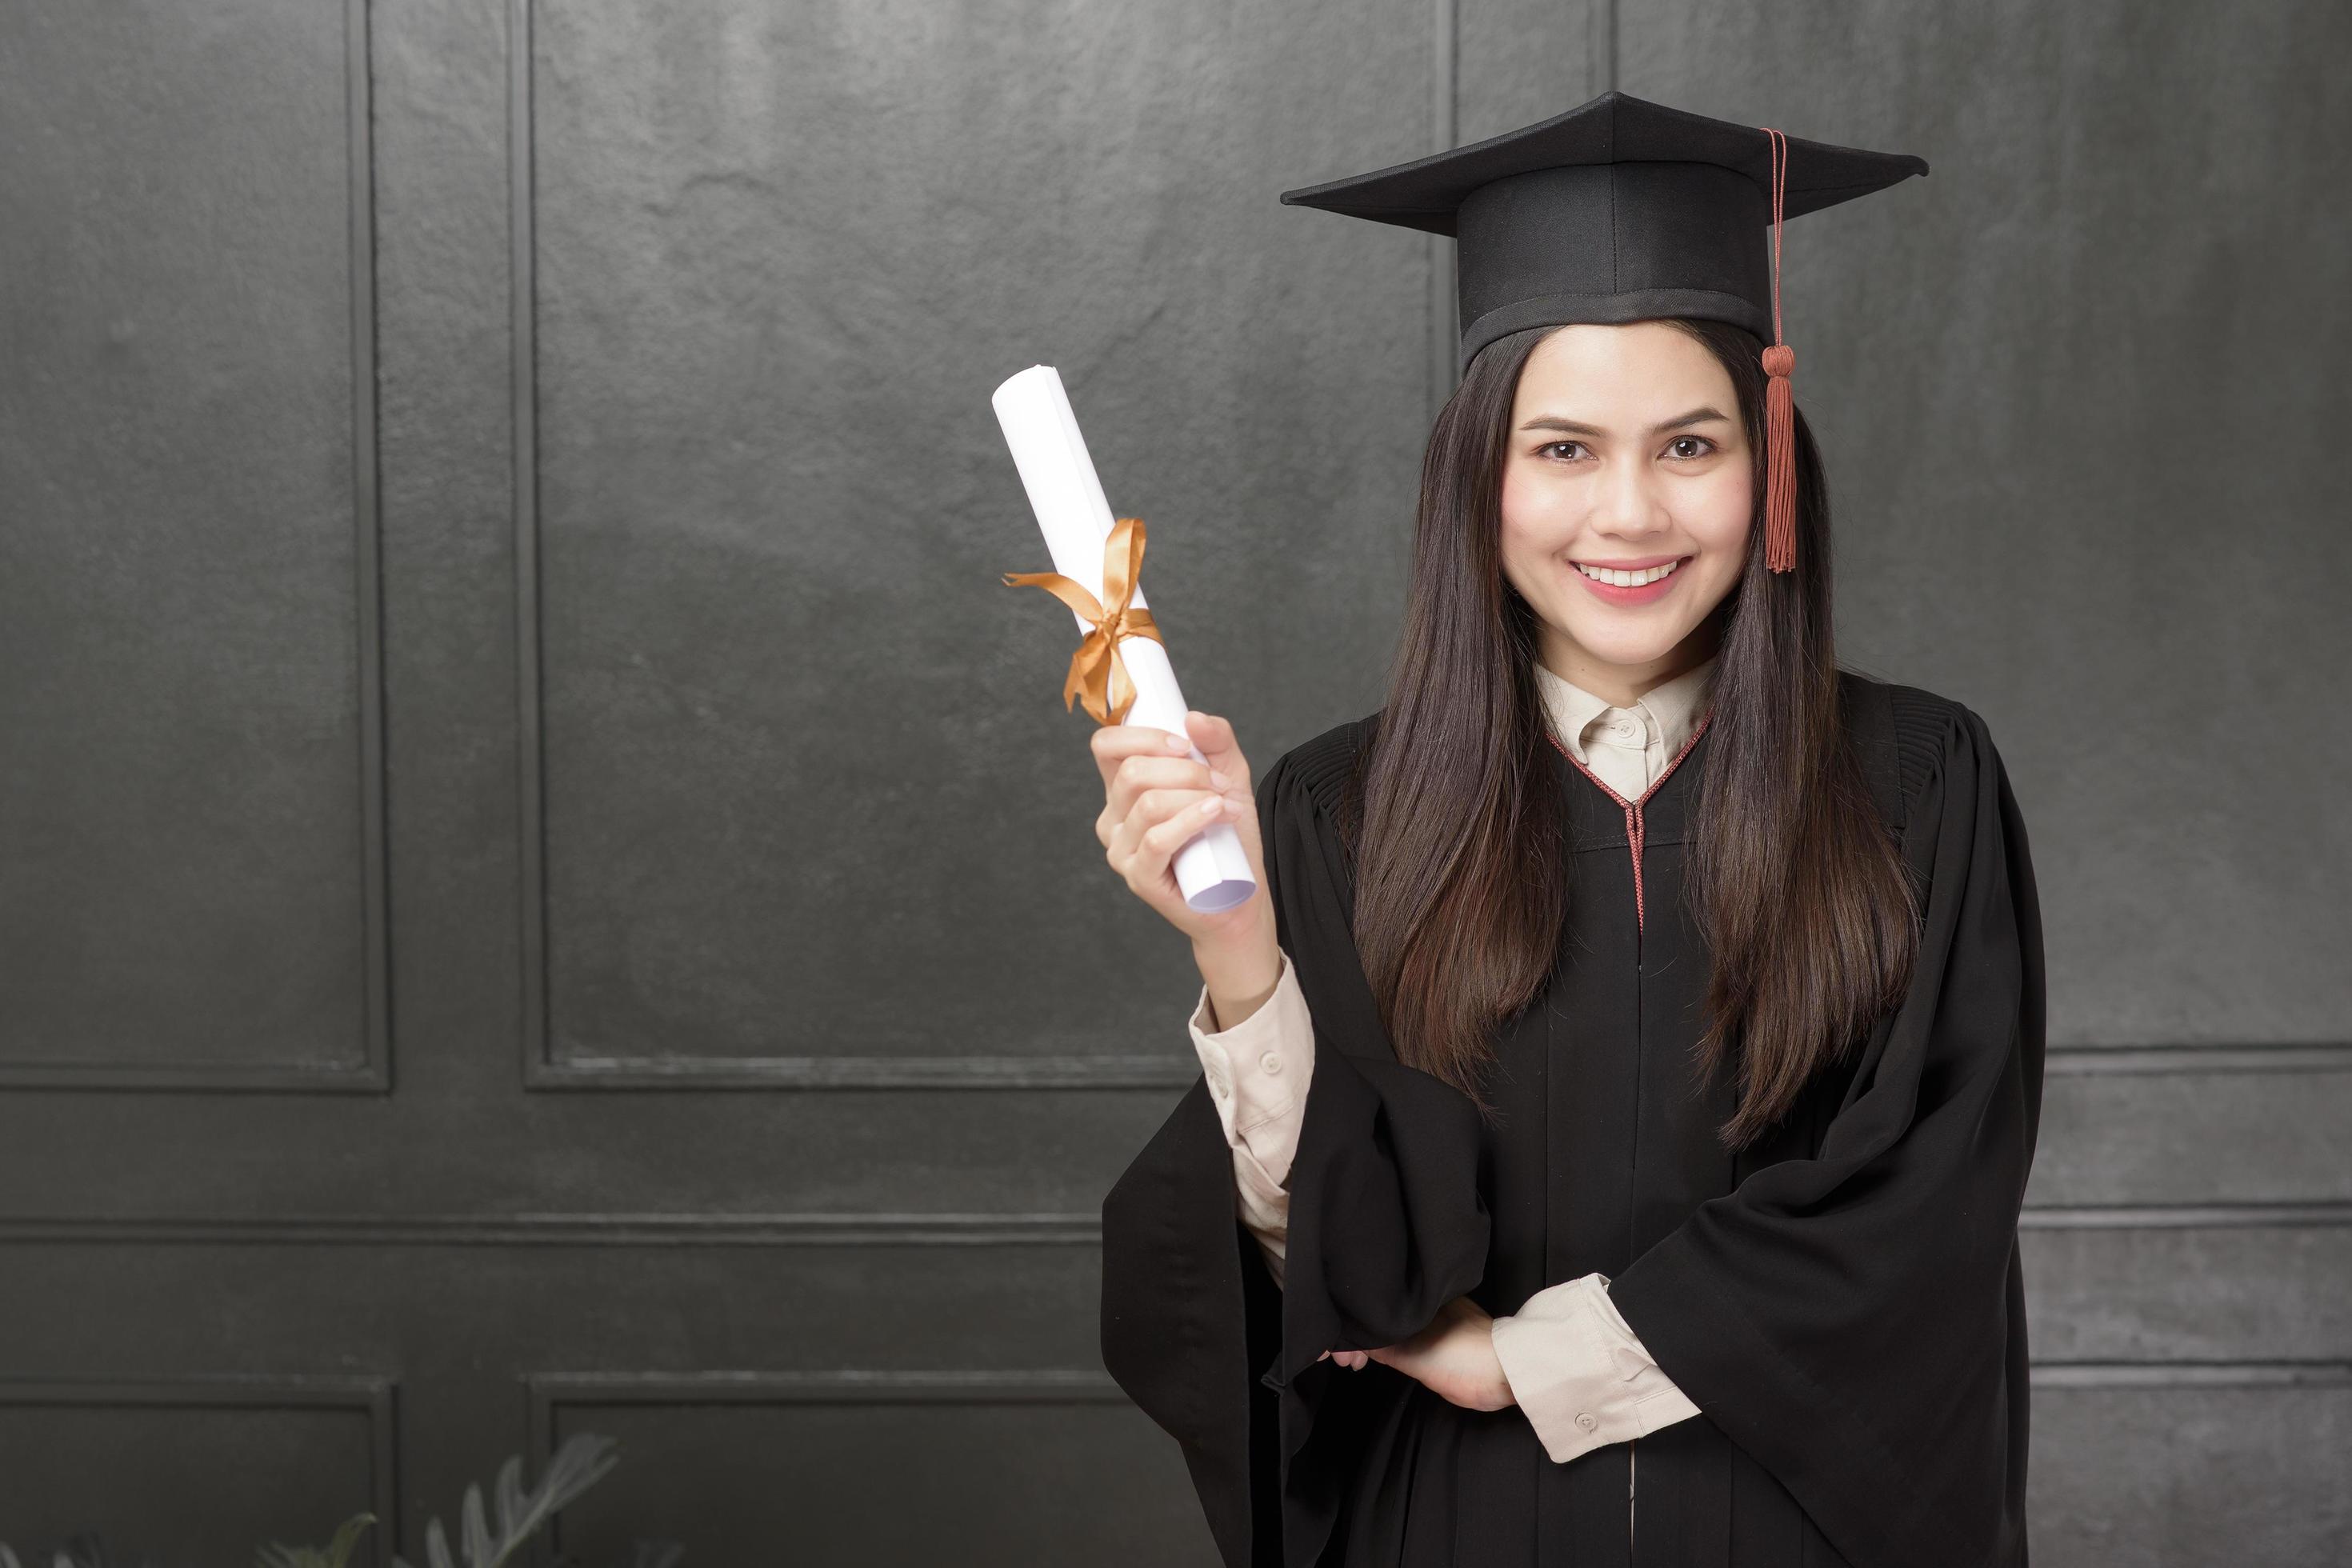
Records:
x=877, y=1229
x=2192, y=1374
x=372, y=1073
x=549, y=1391
x=542, y=1068
x=372, y=1398
x=2183, y=1216
x=2215, y=1060
x=590, y=1229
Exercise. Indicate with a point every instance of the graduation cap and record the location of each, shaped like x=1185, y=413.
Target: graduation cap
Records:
x=1621, y=210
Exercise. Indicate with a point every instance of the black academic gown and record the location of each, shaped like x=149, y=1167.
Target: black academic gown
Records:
x=1842, y=1300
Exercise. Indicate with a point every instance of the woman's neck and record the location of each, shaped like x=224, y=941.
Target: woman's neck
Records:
x=1622, y=685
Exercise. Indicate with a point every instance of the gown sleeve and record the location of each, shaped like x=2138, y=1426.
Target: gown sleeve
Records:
x=1577, y=1371
x=1575, y=1368
x=1386, y=1226
x=1855, y=1321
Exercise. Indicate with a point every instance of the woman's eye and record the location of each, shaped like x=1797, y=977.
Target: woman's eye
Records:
x=1707, y=446
x=1545, y=451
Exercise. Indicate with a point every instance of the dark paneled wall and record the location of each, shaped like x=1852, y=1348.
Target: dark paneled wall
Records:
x=543, y=885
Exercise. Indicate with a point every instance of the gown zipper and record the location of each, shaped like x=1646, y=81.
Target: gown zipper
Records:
x=1635, y=828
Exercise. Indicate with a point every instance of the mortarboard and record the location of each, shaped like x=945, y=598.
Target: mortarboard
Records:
x=1619, y=210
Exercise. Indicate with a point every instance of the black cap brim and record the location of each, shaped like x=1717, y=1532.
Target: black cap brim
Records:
x=1614, y=128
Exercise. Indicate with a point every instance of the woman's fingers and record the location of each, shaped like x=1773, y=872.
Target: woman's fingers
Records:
x=1230, y=771
x=1157, y=798
x=1214, y=737
x=1143, y=843
x=1114, y=744
x=1225, y=767
x=1160, y=823
x=1133, y=765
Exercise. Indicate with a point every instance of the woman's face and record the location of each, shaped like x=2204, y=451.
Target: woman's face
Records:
x=1626, y=453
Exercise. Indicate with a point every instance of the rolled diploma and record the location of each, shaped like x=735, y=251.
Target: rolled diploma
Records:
x=1212, y=869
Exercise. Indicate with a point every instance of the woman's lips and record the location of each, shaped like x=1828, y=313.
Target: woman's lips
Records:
x=1648, y=593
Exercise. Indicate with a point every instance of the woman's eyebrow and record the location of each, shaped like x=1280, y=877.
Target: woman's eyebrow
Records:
x=1554, y=422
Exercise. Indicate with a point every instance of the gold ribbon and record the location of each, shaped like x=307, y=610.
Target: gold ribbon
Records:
x=1097, y=675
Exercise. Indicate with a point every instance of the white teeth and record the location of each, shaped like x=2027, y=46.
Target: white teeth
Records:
x=1626, y=579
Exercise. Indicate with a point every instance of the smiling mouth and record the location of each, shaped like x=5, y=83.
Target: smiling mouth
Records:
x=1621, y=579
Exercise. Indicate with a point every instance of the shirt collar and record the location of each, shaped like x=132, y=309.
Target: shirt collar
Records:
x=1675, y=706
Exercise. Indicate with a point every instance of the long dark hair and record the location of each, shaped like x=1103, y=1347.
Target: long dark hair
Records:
x=1456, y=821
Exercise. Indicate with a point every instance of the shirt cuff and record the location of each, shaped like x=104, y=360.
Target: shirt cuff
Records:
x=1258, y=1072
x=1580, y=1375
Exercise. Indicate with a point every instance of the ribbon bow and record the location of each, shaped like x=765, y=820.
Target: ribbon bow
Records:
x=1097, y=675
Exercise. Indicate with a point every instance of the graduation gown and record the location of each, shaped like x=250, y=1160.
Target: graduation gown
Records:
x=1843, y=1299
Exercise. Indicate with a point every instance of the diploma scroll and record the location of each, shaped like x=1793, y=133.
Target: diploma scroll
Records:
x=1212, y=869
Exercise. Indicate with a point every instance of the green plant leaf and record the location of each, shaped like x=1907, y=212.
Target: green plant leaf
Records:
x=582, y=1460
x=277, y=1554
x=506, y=1493
x=585, y=1458
x=347, y=1539
x=475, y=1535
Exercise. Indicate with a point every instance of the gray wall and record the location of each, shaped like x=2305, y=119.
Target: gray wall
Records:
x=545, y=885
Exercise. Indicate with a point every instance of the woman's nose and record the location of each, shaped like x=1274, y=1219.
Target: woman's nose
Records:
x=1627, y=505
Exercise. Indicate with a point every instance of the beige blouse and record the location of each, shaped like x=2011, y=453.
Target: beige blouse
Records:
x=1574, y=1365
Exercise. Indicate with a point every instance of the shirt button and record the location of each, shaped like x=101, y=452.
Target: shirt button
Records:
x=1216, y=1080
x=1584, y=1419
x=1270, y=1062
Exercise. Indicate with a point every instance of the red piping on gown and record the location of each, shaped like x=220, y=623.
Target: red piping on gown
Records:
x=1634, y=827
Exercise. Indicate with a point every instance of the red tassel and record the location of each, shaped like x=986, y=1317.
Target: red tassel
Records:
x=1780, y=460
x=1779, y=406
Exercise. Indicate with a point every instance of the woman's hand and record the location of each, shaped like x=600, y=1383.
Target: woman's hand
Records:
x=1156, y=798
x=1454, y=1357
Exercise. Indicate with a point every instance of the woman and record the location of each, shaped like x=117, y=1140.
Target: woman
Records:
x=1616, y=1105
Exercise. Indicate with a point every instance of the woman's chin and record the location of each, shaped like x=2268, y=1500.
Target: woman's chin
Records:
x=1629, y=645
